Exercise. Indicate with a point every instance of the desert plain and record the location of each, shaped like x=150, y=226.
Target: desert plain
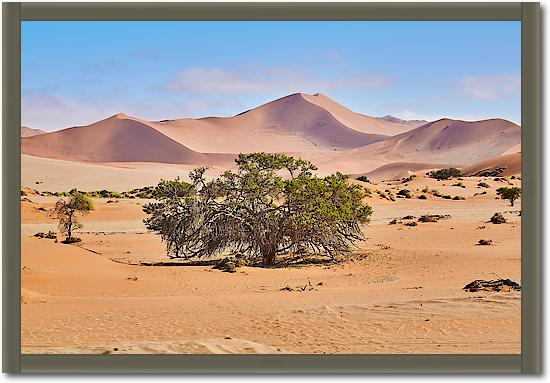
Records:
x=400, y=291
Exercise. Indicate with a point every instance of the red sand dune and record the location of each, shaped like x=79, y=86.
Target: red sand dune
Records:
x=446, y=141
x=309, y=126
x=511, y=163
x=29, y=132
x=116, y=139
x=290, y=124
x=396, y=170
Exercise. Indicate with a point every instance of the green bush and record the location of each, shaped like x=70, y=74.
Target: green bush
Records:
x=363, y=179
x=445, y=174
x=404, y=193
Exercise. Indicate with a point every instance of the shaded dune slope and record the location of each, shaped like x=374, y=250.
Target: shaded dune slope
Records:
x=116, y=139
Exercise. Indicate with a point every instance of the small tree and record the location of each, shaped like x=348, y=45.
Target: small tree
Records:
x=445, y=174
x=510, y=194
x=272, y=205
x=67, y=212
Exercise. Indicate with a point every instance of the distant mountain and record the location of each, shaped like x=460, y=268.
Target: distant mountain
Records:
x=397, y=120
x=29, y=132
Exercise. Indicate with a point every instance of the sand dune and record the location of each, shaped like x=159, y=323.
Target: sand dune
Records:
x=510, y=162
x=289, y=124
x=29, y=132
x=119, y=138
x=360, y=122
x=409, y=123
x=397, y=170
x=446, y=141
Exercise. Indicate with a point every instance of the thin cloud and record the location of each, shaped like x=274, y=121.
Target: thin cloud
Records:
x=260, y=79
x=490, y=87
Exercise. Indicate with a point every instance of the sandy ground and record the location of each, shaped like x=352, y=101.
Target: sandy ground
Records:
x=401, y=292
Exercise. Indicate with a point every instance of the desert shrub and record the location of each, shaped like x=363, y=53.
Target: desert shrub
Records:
x=70, y=240
x=404, y=193
x=498, y=218
x=422, y=196
x=427, y=218
x=363, y=179
x=409, y=217
x=446, y=197
x=67, y=211
x=425, y=190
x=445, y=174
x=510, y=194
x=393, y=221
x=436, y=193
x=411, y=223
x=460, y=184
x=257, y=212
x=458, y=197
x=483, y=185
x=484, y=242
x=48, y=235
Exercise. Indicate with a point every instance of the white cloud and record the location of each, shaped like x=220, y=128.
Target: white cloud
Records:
x=261, y=79
x=490, y=87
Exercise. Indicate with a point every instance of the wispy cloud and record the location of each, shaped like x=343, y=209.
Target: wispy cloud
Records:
x=490, y=87
x=261, y=79
x=48, y=110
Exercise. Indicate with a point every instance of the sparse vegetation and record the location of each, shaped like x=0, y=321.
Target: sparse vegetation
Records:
x=510, y=194
x=67, y=211
x=483, y=185
x=422, y=196
x=445, y=174
x=411, y=223
x=363, y=179
x=258, y=213
x=460, y=184
x=498, y=218
x=458, y=198
x=405, y=193
x=48, y=235
x=485, y=242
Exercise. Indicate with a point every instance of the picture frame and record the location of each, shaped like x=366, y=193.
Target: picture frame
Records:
x=528, y=362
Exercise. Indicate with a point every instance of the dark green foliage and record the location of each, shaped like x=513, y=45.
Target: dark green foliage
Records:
x=498, y=218
x=67, y=212
x=445, y=174
x=510, y=194
x=257, y=212
x=404, y=193
x=363, y=179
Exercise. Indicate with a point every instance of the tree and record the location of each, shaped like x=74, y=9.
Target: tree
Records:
x=67, y=212
x=511, y=194
x=445, y=174
x=273, y=204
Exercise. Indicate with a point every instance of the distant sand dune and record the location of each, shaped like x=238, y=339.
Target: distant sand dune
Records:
x=511, y=163
x=446, y=141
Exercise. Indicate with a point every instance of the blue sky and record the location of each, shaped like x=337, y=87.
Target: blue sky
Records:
x=75, y=73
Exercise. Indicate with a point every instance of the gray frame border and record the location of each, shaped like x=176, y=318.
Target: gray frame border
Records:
x=527, y=362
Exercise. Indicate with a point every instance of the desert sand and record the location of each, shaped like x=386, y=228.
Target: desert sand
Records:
x=401, y=292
